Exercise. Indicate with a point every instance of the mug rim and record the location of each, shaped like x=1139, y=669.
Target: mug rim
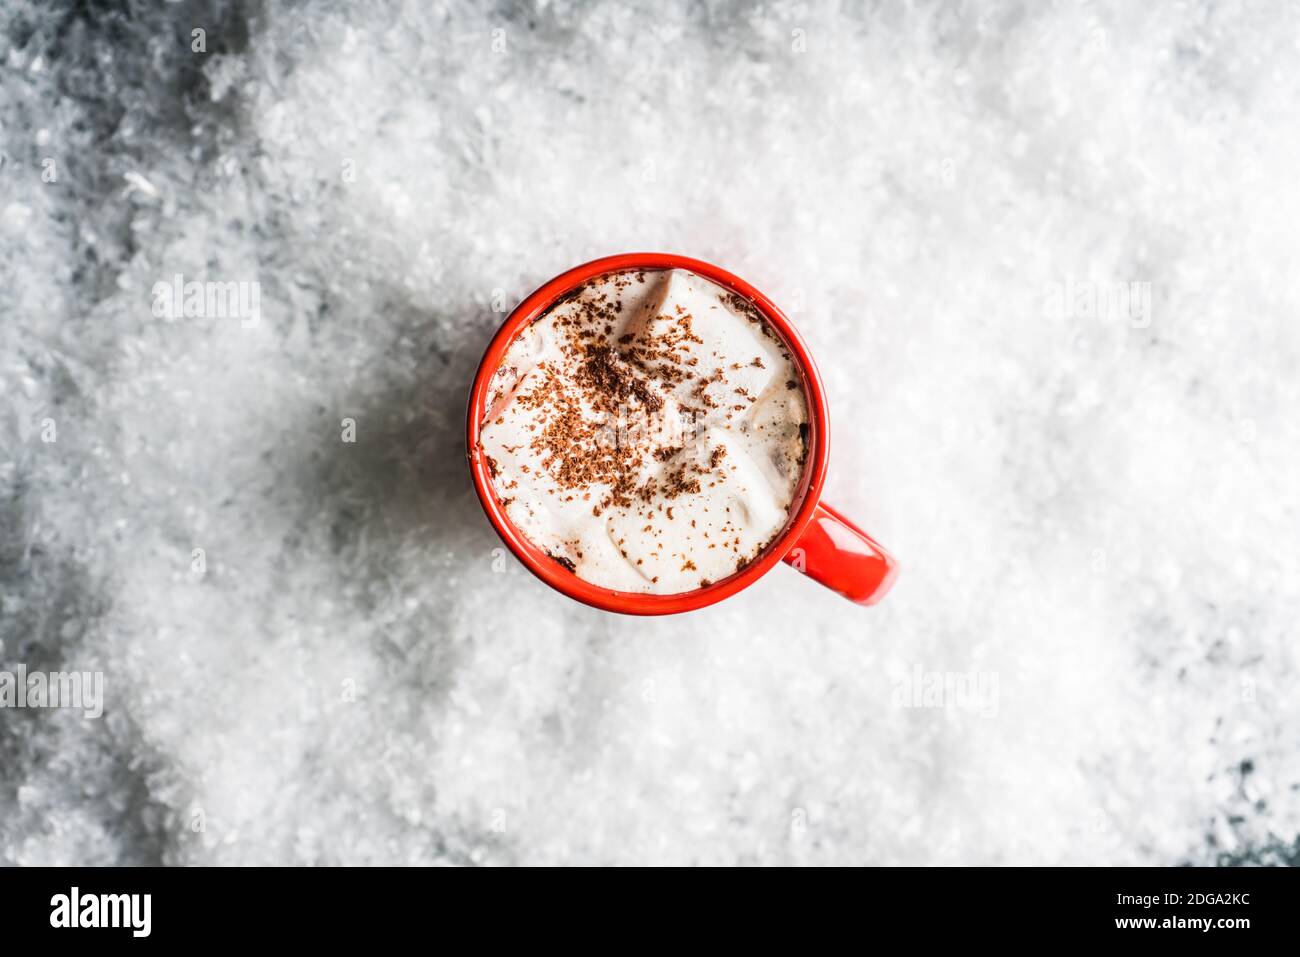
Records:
x=533, y=557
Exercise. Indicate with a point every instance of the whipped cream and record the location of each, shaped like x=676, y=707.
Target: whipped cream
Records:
x=648, y=432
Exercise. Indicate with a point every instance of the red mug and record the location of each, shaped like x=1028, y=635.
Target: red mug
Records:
x=816, y=539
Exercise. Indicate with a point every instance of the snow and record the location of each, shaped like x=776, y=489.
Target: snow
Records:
x=1093, y=494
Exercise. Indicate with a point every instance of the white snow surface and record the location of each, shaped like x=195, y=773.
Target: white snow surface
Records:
x=1097, y=510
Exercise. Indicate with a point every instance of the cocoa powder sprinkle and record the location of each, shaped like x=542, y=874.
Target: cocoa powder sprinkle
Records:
x=601, y=436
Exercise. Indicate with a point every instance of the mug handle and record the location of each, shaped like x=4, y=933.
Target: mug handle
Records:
x=844, y=558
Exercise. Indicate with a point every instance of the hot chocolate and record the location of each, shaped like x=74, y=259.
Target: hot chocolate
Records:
x=648, y=431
